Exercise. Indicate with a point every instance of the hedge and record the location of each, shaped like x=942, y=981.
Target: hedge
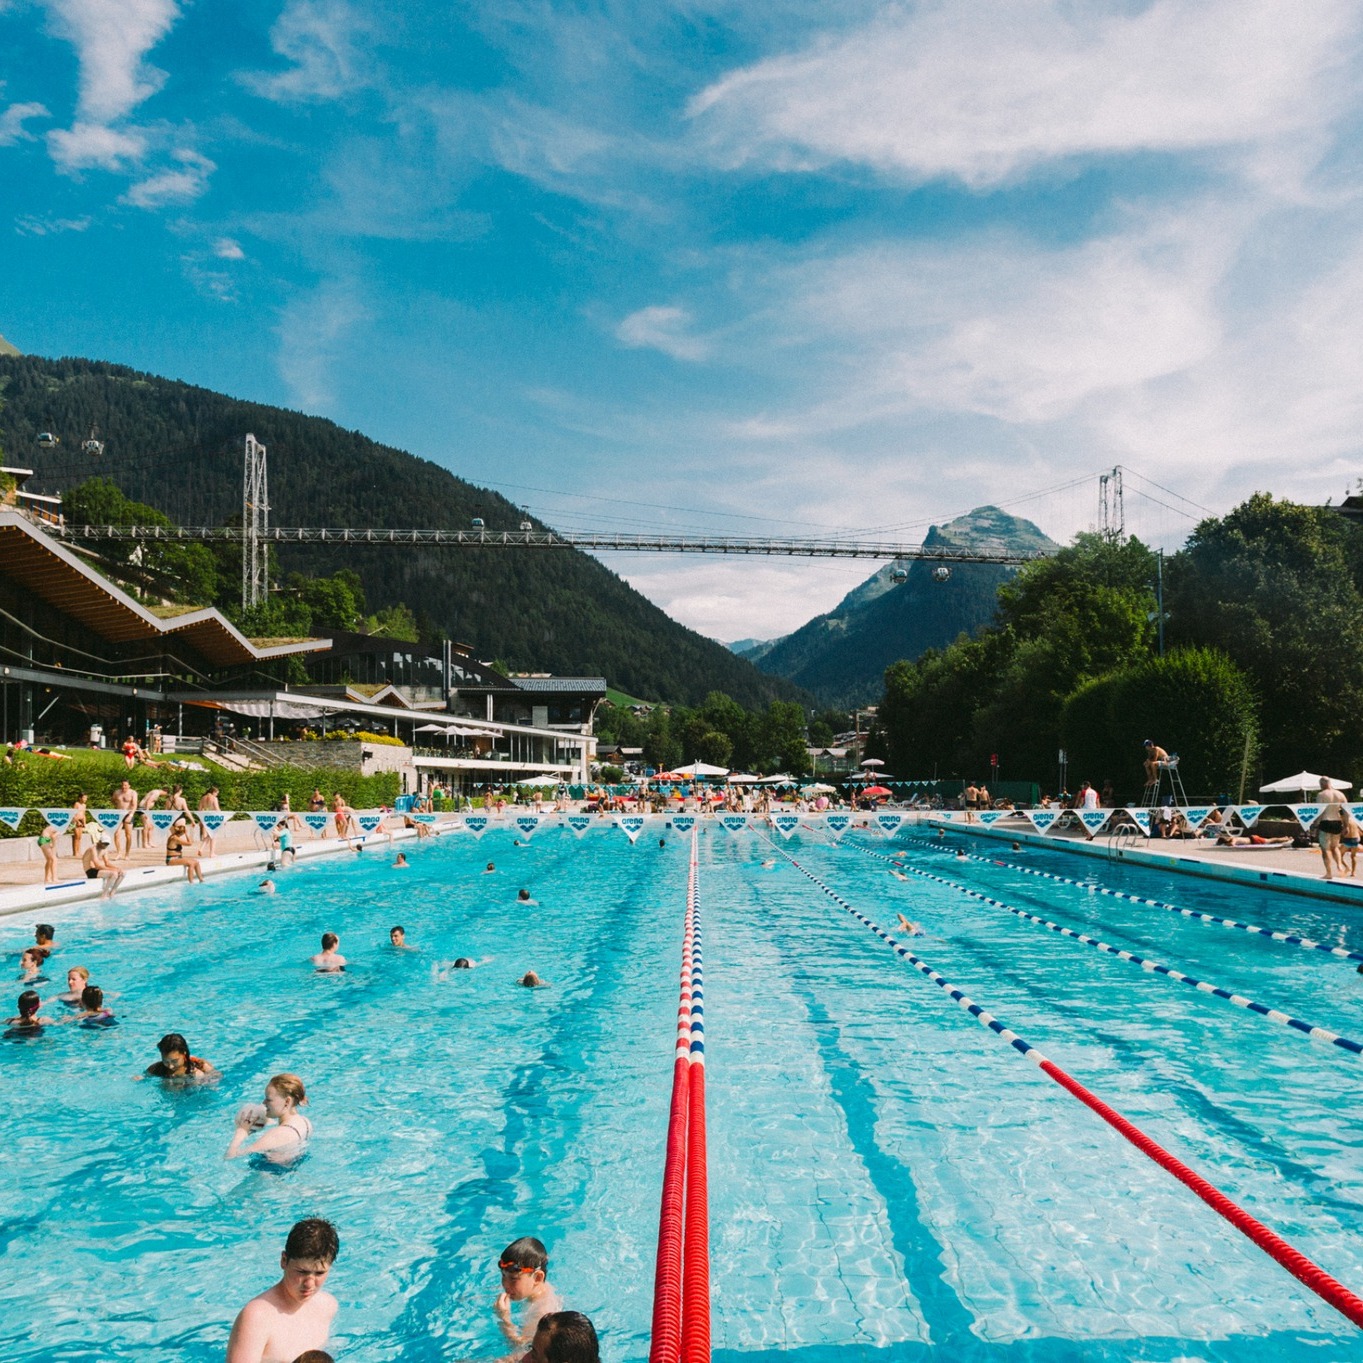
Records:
x=41, y=782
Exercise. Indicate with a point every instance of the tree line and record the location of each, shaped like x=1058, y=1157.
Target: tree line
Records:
x=1261, y=674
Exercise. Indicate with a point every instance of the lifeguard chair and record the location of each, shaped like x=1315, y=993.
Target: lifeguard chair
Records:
x=1167, y=781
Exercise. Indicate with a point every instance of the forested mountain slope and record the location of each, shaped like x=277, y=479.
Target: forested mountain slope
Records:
x=179, y=448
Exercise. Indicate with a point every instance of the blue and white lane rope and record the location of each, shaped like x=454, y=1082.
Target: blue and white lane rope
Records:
x=1145, y=963
x=1293, y=1260
x=1290, y=938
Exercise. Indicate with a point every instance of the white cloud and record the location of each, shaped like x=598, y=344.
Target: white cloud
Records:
x=48, y=227
x=661, y=328
x=173, y=186
x=986, y=91
x=86, y=146
x=323, y=39
x=111, y=38
x=13, y=119
x=227, y=249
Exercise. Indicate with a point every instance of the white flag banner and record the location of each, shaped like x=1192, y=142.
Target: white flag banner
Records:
x=11, y=818
x=58, y=818
x=1141, y=817
x=423, y=818
x=1041, y=819
x=838, y=824
x=163, y=818
x=579, y=823
x=1094, y=819
x=266, y=820
x=785, y=824
x=1307, y=814
x=369, y=822
x=1247, y=814
x=889, y=823
x=735, y=823
x=683, y=823
x=1197, y=815
x=989, y=817
x=631, y=825
x=476, y=824
x=526, y=824
x=213, y=819
x=110, y=818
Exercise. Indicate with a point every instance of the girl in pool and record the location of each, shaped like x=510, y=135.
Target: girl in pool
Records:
x=286, y=1140
x=28, y=1019
x=31, y=968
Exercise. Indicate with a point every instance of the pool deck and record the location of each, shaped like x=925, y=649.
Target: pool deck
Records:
x=1288, y=870
x=241, y=850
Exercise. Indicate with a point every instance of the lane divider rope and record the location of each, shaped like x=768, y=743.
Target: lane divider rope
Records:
x=1145, y=962
x=1328, y=1289
x=1290, y=938
x=681, y=1278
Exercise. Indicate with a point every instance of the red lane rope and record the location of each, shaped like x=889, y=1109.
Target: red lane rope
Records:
x=681, y=1278
x=1293, y=1260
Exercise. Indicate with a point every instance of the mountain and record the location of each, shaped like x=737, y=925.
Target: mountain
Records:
x=753, y=649
x=6, y=348
x=180, y=448
x=841, y=656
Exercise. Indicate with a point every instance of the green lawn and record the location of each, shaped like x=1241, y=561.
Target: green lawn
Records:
x=619, y=698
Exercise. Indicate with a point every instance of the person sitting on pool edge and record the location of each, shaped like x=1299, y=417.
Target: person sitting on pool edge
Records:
x=295, y=1315
x=524, y=1266
x=176, y=1063
x=564, y=1337
x=329, y=961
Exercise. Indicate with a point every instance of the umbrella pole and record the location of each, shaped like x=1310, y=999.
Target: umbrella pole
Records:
x=1244, y=768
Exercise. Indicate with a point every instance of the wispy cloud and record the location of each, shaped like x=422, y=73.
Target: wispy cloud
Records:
x=324, y=41
x=227, y=249
x=92, y=146
x=662, y=328
x=314, y=332
x=180, y=186
x=48, y=227
x=112, y=38
x=12, y=122
x=986, y=91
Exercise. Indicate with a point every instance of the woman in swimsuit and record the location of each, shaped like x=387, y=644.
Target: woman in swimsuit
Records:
x=279, y=1144
x=31, y=968
x=176, y=842
x=47, y=845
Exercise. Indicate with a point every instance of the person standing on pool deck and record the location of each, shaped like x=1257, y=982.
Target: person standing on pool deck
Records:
x=1329, y=827
x=524, y=1266
x=125, y=801
x=295, y=1315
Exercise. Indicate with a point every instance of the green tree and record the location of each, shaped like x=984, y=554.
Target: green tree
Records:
x=1276, y=586
x=662, y=750
x=1194, y=701
x=715, y=748
x=394, y=622
x=783, y=741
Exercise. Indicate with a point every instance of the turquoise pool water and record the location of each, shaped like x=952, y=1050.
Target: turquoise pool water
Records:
x=888, y=1180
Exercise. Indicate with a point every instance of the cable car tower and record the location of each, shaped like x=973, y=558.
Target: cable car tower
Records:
x=255, y=524
x=1111, y=507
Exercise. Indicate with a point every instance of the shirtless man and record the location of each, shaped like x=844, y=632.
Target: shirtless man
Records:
x=329, y=961
x=98, y=866
x=1329, y=827
x=295, y=1315
x=125, y=801
x=1154, y=755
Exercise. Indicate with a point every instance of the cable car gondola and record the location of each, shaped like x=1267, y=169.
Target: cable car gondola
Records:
x=93, y=446
x=47, y=441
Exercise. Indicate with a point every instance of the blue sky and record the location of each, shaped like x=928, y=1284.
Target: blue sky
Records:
x=757, y=268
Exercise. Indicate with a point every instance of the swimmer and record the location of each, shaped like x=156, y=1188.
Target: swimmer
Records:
x=398, y=938
x=176, y=1062
x=28, y=1019
x=769, y=865
x=329, y=961
x=523, y=897
x=30, y=968
x=662, y=842
x=266, y=887
x=401, y=861
x=960, y=855
x=463, y=963
x=76, y=980
x=1017, y=847
x=295, y=1315
x=524, y=1266
x=285, y=1141
x=941, y=832
x=92, y=1012
x=911, y=929
x=488, y=870
x=563, y=1337
x=897, y=873
x=532, y=981
x=42, y=939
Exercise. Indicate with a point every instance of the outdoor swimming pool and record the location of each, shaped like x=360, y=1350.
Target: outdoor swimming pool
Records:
x=888, y=1180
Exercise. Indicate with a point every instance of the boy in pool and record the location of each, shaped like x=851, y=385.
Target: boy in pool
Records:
x=524, y=1265
x=398, y=937
x=564, y=1337
x=329, y=961
x=42, y=939
x=295, y=1315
